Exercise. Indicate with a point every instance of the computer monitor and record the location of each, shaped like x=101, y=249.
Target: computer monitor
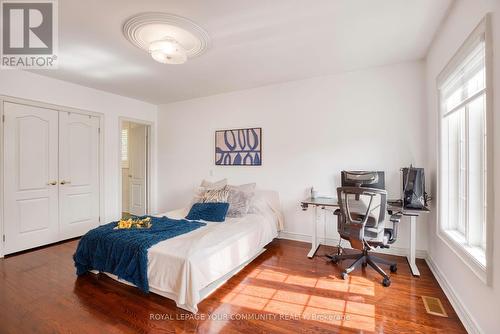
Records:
x=366, y=179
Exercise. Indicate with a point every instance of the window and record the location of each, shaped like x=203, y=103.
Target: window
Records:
x=463, y=169
x=125, y=148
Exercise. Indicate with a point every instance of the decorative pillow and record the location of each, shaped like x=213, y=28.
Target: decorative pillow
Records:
x=212, y=212
x=214, y=185
x=239, y=199
x=207, y=185
x=215, y=196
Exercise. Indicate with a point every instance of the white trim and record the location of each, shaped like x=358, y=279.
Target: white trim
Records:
x=464, y=255
x=463, y=313
x=398, y=251
x=465, y=102
x=490, y=195
x=27, y=102
x=1, y=181
x=101, y=169
x=149, y=162
x=45, y=105
x=463, y=51
x=483, y=28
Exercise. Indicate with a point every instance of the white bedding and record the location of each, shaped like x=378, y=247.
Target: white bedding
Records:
x=182, y=267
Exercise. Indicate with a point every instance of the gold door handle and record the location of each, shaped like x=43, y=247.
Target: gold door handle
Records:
x=53, y=183
x=65, y=182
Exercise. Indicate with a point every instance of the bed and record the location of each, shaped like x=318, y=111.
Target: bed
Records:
x=187, y=268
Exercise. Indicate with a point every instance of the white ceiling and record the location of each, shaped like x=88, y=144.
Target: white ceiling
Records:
x=254, y=43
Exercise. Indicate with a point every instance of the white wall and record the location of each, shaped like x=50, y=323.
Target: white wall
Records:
x=31, y=86
x=479, y=303
x=125, y=190
x=312, y=129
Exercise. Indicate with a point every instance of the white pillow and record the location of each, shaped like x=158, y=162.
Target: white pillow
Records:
x=267, y=202
x=207, y=185
x=213, y=185
x=239, y=199
x=269, y=197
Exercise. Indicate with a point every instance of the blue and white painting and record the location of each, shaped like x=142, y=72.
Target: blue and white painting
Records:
x=238, y=147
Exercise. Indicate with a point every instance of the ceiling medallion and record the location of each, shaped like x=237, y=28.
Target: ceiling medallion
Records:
x=168, y=38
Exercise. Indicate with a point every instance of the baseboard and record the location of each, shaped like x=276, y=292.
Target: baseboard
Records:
x=469, y=323
x=399, y=251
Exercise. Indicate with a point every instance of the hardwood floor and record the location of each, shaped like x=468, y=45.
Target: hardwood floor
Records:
x=282, y=291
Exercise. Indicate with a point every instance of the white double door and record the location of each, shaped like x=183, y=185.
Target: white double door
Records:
x=51, y=175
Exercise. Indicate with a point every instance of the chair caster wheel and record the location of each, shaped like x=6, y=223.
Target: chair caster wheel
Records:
x=394, y=268
x=386, y=282
x=344, y=275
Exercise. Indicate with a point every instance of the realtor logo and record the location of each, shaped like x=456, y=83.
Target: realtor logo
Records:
x=29, y=34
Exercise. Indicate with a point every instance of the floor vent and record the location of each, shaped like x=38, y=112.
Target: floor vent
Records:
x=434, y=306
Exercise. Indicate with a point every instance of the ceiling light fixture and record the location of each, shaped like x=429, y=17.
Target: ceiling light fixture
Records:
x=168, y=38
x=167, y=51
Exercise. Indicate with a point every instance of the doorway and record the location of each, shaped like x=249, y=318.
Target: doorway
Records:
x=134, y=164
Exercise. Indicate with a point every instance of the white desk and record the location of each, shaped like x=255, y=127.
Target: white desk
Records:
x=323, y=202
x=413, y=214
x=317, y=203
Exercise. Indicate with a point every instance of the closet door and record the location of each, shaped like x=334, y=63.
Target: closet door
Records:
x=78, y=174
x=30, y=176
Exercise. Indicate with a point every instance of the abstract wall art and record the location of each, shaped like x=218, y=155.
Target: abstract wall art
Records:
x=238, y=147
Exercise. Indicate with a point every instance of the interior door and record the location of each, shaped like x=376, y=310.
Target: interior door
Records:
x=78, y=174
x=137, y=139
x=31, y=176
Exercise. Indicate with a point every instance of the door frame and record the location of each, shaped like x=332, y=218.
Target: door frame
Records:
x=149, y=135
x=33, y=103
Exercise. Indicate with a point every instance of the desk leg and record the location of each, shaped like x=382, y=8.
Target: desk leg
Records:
x=314, y=242
x=413, y=245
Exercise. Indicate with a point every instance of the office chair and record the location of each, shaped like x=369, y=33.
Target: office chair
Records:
x=362, y=220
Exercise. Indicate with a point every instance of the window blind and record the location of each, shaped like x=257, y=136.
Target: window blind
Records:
x=124, y=148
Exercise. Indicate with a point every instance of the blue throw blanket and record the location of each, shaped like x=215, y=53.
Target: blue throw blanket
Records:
x=124, y=252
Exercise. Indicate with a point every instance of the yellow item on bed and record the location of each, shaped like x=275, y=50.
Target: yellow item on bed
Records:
x=134, y=223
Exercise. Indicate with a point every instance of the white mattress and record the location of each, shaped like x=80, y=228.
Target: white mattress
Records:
x=182, y=267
